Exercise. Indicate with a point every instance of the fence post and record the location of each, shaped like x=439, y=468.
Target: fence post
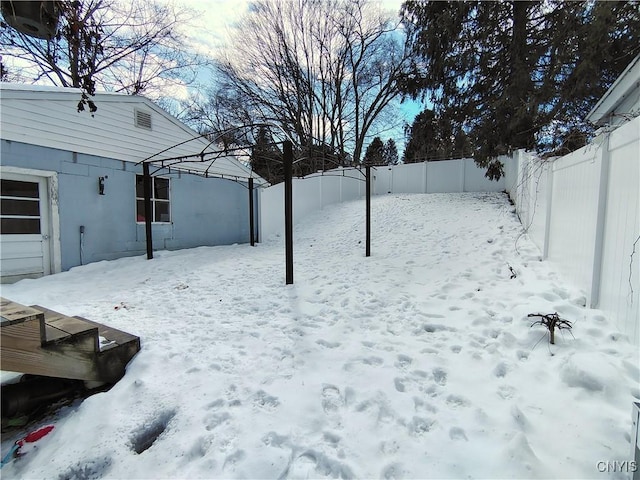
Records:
x=287, y=157
x=424, y=177
x=464, y=174
x=547, y=220
x=600, y=221
x=252, y=240
x=368, y=212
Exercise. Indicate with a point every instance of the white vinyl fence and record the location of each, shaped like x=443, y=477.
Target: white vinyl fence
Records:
x=315, y=191
x=583, y=212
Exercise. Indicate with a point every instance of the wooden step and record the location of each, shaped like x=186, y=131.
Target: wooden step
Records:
x=40, y=341
x=12, y=313
x=114, y=357
x=61, y=328
x=111, y=359
x=113, y=335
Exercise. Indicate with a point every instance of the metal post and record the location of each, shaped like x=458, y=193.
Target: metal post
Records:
x=146, y=183
x=287, y=150
x=252, y=239
x=368, y=226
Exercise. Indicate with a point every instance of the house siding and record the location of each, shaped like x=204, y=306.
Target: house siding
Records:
x=204, y=211
x=49, y=118
x=110, y=132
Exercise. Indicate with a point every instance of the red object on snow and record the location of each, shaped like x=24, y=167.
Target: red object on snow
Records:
x=36, y=435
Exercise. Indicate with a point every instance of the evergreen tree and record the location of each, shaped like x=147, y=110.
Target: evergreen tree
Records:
x=266, y=158
x=505, y=71
x=432, y=138
x=390, y=153
x=374, y=155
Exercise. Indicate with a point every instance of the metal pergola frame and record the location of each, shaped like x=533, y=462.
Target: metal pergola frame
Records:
x=188, y=164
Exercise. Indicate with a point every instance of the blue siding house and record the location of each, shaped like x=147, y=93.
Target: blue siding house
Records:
x=72, y=190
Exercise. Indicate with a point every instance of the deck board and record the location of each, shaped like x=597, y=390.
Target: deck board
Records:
x=12, y=313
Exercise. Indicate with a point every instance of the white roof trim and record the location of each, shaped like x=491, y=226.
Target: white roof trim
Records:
x=628, y=80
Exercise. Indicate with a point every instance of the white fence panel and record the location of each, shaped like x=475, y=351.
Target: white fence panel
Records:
x=382, y=180
x=476, y=181
x=522, y=197
x=446, y=176
x=307, y=196
x=409, y=178
x=539, y=218
x=533, y=197
x=511, y=168
x=353, y=184
x=271, y=211
x=573, y=222
x=331, y=188
x=620, y=277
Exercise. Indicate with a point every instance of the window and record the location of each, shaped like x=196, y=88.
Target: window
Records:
x=19, y=207
x=160, y=205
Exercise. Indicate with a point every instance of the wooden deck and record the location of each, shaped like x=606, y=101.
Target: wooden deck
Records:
x=39, y=341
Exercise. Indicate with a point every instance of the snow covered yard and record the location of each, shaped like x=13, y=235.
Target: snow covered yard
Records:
x=418, y=362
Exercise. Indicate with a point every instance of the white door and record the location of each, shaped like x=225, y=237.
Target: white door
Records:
x=24, y=230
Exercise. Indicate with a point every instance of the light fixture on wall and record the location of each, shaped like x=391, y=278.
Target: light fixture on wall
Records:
x=101, y=184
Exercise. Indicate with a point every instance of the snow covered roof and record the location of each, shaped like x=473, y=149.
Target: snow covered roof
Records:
x=125, y=127
x=621, y=100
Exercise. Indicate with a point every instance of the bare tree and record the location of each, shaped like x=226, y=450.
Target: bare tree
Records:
x=323, y=70
x=131, y=47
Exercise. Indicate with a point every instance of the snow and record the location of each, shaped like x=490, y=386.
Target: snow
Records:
x=417, y=362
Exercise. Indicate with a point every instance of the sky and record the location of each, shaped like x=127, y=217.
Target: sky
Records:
x=420, y=361
x=215, y=19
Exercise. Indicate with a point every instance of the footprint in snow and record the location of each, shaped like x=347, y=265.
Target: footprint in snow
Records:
x=399, y=384
x=457, y=401
x=313, y=464
x=440, y=376
x=457, y=433
x=331, y=399
x=506, y=391
x=214, y=420
x=232, y=460
x=395, y=471
x=94, y=468
x=420, y=426
x=501, y=370
x=403, y=362
x=143, y=438
x=265, y=401
x=328, y=344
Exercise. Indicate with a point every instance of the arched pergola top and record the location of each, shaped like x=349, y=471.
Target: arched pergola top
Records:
x=208, y=160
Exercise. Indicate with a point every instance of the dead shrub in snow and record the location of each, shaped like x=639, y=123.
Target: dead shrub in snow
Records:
x=551, y=321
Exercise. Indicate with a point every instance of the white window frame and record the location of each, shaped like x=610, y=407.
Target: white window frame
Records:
x=153, y=200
